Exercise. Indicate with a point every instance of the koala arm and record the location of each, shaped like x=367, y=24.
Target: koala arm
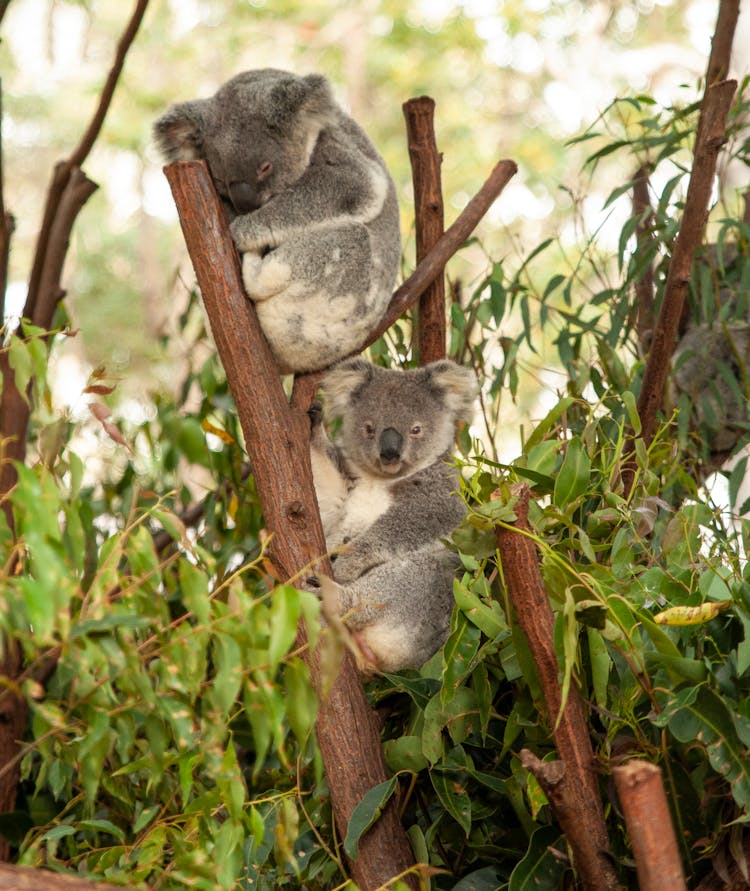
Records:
x=425, y=507
x=340, y=185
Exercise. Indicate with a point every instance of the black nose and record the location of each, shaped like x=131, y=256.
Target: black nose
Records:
x=244, y=197
x=390, y=445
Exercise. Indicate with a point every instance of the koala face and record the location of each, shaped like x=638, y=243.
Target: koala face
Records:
x=395, y=423
x=256, y=133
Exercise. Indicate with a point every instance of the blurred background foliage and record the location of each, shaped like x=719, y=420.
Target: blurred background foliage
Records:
x=172, y=744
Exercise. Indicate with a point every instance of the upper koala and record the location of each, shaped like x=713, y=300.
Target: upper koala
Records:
x=313, y=208
x=387, y=495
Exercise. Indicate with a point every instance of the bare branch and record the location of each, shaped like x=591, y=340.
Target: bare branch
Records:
x=576, y=799
x=649, y=823
x=64, y=169
x=428, y=205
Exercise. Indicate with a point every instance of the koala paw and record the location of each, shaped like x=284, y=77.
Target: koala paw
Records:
x=248, y=236
x=351, y=563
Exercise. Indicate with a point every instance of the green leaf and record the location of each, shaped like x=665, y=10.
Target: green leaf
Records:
x=106, y=826
x=489, y=619
x=573, y=477
x=453, y=795
x=459, y=653
x=284, y=613
x=485, y=879
x=366, y=813
x=405, y=753
x=697, y=714
x=301, y=702
x=539, y=870
x=552, y=417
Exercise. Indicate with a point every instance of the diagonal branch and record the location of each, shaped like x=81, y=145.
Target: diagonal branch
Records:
x=64, y=169
x=277, y=441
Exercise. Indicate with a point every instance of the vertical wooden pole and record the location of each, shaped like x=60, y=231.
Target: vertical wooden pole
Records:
x=428, y=206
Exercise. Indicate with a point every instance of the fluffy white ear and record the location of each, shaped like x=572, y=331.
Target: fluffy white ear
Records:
x=179, y=132
x=342, y=383
x=457, y=384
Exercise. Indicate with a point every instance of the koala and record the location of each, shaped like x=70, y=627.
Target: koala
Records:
x=711, y=367
x=387, y=495
x=312, y=208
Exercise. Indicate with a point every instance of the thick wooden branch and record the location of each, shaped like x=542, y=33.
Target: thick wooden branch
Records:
x=22, y=878
x=277, y=442
x=688, y=240
x=721, y=51
x=576, y=801
x=649, y=824
x=428, y=205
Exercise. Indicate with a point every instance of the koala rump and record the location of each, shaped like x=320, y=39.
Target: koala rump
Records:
x=313, y=208
x=387, y=496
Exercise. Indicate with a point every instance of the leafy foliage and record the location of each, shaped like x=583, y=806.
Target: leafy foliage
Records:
x=171, y=721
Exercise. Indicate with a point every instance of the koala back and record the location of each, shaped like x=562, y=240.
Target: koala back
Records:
x=312, y=206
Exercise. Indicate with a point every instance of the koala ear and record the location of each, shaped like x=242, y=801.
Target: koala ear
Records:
x=308, y=98
x=343, y=382
x=179, y=132
x=457, y=383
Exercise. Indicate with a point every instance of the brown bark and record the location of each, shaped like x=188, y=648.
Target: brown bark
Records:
x=277, y=441
x=721, y=50
x=428, y=204
x=644, y=288
x=576, y=799
x=22, y=878
x=649, y=824
x=688, y=240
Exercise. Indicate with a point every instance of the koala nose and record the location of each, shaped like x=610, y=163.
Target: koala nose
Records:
x=390, y=446
x=243, y=196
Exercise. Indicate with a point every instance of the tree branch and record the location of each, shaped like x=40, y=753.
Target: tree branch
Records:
x=688, y=240
x=428, y=203
x=64, y=169
x=649, y=823
x=22, y=878
x=576, y=800
x=277, y=440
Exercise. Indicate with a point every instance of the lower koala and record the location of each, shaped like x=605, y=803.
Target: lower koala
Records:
x=387, y=495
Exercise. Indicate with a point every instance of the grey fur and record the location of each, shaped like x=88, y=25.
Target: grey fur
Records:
x=313, y=208
x=394, y=575
x=706, y=358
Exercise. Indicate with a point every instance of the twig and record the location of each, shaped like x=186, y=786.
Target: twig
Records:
x=649, y=823
x=428, y=202
x=64, y=169
x=576, y=801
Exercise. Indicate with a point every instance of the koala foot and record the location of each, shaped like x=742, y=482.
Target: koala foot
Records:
x=264, y=273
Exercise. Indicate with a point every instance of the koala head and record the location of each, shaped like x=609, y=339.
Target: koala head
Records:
x=256, y=133
x=395, y=423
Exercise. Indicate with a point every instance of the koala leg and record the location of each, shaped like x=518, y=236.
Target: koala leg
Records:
x=400, y=611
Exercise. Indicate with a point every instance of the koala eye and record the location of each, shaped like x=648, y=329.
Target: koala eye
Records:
x=369, y=430
x=416, y=430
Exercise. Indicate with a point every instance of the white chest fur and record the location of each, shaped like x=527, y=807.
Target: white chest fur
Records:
x=367, y=500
